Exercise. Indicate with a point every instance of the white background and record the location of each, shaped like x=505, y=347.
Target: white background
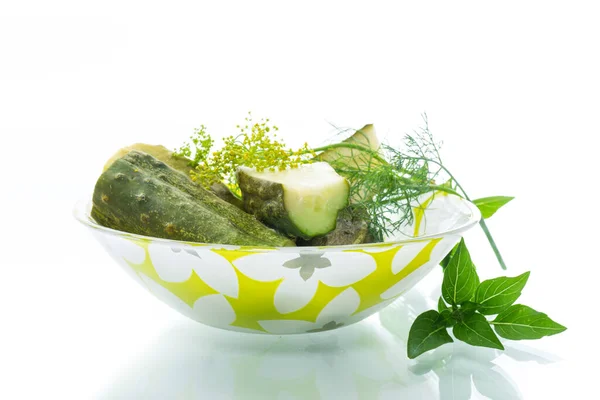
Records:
x=512, y=88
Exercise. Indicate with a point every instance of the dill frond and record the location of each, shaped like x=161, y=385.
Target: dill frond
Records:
x=388, y=184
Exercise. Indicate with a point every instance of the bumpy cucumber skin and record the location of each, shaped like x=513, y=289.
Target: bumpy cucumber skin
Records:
x=140, y=194
x=265, y=200
x=157, y=151
x=224, y=193
x=179, y=163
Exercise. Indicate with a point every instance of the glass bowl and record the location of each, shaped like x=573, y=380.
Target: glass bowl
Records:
x=287, y=290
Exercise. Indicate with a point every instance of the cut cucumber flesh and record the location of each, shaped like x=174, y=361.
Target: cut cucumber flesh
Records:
x=302, y=201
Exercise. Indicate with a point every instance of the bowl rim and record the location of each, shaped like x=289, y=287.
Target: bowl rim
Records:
x=82, y=213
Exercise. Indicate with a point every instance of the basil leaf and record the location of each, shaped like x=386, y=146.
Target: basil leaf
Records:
x=496, y=295
x=475, y=330
x=489, y=205
x=460, y=278
x=427, y=333
x=520, y=322
x=446, y=260
x=468, y=307
x=442, y=305
x=448, y=318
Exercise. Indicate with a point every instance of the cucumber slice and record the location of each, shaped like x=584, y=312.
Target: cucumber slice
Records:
x=343, y=158
x=302, y=202
x=366, y=137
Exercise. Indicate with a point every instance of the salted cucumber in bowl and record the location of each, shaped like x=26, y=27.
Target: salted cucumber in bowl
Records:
x=140, y=194
x=302, y=202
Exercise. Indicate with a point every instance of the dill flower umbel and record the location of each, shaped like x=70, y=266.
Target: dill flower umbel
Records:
x=256, y=146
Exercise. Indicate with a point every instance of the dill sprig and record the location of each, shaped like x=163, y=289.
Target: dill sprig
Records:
x=394, y=180
x=389, y=183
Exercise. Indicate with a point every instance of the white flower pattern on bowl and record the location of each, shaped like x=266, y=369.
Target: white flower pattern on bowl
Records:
x=341, y=308
x=210, y=267
x=300, y=282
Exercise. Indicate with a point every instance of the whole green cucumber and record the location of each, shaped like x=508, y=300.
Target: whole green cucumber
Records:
x=140, y=194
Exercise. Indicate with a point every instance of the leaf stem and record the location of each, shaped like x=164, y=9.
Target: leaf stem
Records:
x=492, y=243
x=482, y=223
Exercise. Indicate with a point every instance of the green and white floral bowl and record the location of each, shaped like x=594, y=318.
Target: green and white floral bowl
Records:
x=288, y=289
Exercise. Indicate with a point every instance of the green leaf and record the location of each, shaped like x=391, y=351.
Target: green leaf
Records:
x=489, y=205
x=520, y=322
x=475, y=330
x=460, y=278
x=496, y=295
x=442, y=305
x=427, y=333
x=446, y=260
x=468, y=307
x=448, y=318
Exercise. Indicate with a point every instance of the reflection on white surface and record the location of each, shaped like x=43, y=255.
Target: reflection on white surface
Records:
x=363, y=361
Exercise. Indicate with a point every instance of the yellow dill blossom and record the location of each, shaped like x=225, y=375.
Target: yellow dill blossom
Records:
x=255, y=146
x=199, y=148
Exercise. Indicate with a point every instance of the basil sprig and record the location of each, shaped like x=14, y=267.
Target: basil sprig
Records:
x=465, y=302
